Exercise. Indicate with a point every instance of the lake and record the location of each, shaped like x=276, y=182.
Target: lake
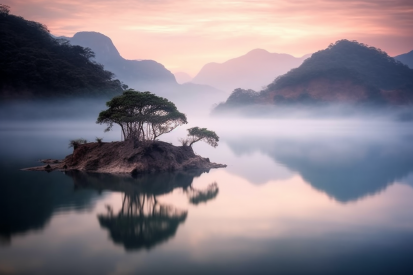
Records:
x=298, y=197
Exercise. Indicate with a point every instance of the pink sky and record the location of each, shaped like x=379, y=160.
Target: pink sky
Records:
x=184, y=35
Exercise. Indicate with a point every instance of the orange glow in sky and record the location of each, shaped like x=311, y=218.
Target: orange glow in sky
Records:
x=185, y=35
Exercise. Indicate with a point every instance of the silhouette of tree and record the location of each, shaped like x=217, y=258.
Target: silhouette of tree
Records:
x=141, y=115
x=196, y=134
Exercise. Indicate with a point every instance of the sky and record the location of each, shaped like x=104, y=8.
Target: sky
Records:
x=185, y=35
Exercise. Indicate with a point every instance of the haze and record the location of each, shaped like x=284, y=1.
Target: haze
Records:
x=185, y=35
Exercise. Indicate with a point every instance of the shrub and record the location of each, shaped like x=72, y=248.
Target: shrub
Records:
x=184, y=141
x=76, y=142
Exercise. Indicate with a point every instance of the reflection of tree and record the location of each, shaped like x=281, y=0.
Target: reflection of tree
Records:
x=141, y=222
x=202, y=196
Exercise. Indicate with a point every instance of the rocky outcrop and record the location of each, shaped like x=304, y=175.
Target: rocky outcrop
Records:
x=129, y=157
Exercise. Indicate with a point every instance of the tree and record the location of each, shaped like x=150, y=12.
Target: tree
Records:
x=141, y=115
x=4, y=9
x=196, y=134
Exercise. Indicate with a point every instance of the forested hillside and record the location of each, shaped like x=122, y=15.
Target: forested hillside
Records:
x=34, y=64
x=346, y=72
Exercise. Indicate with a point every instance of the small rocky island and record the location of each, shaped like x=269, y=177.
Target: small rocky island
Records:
x=126, y=157
x=142, y=117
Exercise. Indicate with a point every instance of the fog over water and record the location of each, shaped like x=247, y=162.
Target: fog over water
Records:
x=314, y=196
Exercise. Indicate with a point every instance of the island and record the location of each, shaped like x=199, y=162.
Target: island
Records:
x=142, y=117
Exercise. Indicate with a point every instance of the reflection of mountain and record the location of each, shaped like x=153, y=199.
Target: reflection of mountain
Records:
x=346, y=169
x=29, y=200
x=142, y=221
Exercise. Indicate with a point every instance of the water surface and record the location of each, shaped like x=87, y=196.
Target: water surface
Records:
x=297, y=197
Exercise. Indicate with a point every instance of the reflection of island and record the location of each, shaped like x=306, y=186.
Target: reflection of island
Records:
x=347, y=168
x=28, y=202
x=142, y=221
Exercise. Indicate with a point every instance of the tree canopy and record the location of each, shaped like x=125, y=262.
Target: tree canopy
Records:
x=196, y=134
x=141, y=115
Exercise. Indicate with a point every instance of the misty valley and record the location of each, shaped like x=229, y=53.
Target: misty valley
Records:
x=265, y=163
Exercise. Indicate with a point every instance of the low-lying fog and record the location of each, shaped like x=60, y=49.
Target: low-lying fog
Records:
x=348, y=158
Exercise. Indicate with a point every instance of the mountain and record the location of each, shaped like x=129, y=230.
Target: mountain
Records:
x=346, y=72
x=182, y=77
x=406, y=58
x=34, y=64
x=149, y=75
x=253, y=70
x=142, y=73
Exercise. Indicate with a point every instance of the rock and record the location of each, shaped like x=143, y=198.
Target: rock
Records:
x=51, y=161
x=130, y=157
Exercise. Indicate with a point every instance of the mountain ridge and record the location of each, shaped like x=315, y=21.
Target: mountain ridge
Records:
x=252, y=70
x=346, y=72
x=149, y=75
x=406, y=58
x=144, y=72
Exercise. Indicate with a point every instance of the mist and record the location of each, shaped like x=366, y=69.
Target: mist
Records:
x=316, y=111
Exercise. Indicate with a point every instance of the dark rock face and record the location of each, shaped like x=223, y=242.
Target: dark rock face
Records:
x=132, y=158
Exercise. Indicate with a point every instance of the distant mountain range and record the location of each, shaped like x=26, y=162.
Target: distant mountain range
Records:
x=182, y=77
x=141, y=73
x=148, y=75
x=253, y=70
x=346, y=72
x=35, y=64
x=406, y=58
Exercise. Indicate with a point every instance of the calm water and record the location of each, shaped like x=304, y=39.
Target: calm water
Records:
x=297, y=197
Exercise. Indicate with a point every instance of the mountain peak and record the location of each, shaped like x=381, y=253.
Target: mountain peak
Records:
x=100, y=43
x=257, y=52
x=253, y=70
